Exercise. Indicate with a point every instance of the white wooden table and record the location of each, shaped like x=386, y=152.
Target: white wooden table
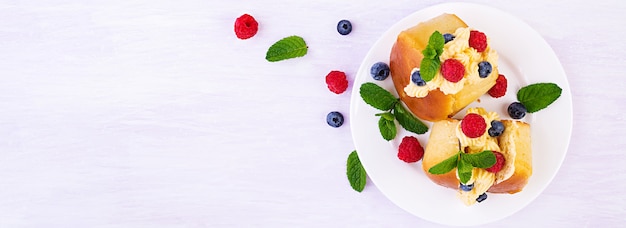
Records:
x=153, y=114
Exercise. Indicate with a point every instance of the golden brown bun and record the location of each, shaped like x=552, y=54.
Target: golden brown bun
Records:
x=406, y=54
x=515, y=140
x=514, y=144
x=442, y=144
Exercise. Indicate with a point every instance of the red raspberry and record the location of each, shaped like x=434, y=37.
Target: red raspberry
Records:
x=246, y=26
x=336, y=81
x=473, y=125
x=499, y=163
x=410, y=150
x=452, y=70
x=478, y=41
x=499, y=89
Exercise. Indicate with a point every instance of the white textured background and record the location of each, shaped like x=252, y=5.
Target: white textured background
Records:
x=153, y=114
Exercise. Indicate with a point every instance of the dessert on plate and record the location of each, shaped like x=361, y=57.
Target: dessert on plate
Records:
x=435, y=75
x=477, y=132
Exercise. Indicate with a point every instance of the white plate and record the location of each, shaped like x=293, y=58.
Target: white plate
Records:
x=524, y=58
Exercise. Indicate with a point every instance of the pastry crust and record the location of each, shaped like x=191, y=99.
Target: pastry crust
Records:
x=514, y=143
x=406, y=54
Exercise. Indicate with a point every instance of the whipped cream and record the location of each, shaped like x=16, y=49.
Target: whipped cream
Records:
x=481, y=178
x=458, y=49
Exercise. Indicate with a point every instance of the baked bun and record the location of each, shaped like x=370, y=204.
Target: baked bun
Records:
x=406, y=56
x=514, y=143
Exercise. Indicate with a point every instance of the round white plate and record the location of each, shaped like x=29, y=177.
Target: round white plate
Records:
x=525, y=58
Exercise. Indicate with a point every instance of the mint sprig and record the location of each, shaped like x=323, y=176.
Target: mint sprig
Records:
x=538, y=96
x=464, y=163
x=408, y=121
x=445, y=166
x=355, y=172
x=382, y=99
x=430, y=64
x=287, y=48
x=387, y=128
x=377, y=97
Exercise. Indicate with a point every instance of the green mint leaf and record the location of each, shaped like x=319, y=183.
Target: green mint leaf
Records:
x=429, y=53
x=538, y=96
x=387, y=116
x=387, y=128
x=436, y=42
x=429, y=68
x=430, y=63
x=464, y=169
x=446, y=165
x=483, y=160
x=356, y=173
x=408, y=121
x=287, y=48
x=377, y=97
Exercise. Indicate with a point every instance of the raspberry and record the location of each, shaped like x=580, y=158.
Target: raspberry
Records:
x=410, y=150
x=478, y=41
x=499, y=89
x=336, y=81
x=473, y=125
x=246, y=26
x=452, y=70
x=499, y=163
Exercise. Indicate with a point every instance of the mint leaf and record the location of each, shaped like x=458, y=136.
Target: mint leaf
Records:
x=287, y=48
x=356, y=173
x=464, y=169
x=445, y=166
x=377, y=97
x=408, y=121
x=387, y=128
x=387, y=116
x=430, y=63
x=436, y=42
x=538, y=96
x=429, y=68
x=483, y=160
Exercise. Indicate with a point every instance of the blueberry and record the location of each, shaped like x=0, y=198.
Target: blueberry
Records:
x=496, y=128
x=379, y=71
x=448, y=37
x=517, y=110
x=416, y=78
x=334, y=119
x=482, y=197
x=344, y=27
x=466, y=188
x=484, y=69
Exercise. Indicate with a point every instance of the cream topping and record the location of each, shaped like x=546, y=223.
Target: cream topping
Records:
x=481, y=178
x=458, y=49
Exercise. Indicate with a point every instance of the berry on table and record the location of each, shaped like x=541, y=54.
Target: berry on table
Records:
x=481, y=197
x=452, y=70
x=473, y=125
x=410, y=150
x=416, y=78
x=379, y=71
x=496, y=128
x=448, y=37
x=516, y=110
x=344, y=27
x=499, y=163
x=337, y=82
x=466, y=188
x=499, y=89
x=334, y=119
x=246, y=26
x=478, y=40
x=484, y=69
